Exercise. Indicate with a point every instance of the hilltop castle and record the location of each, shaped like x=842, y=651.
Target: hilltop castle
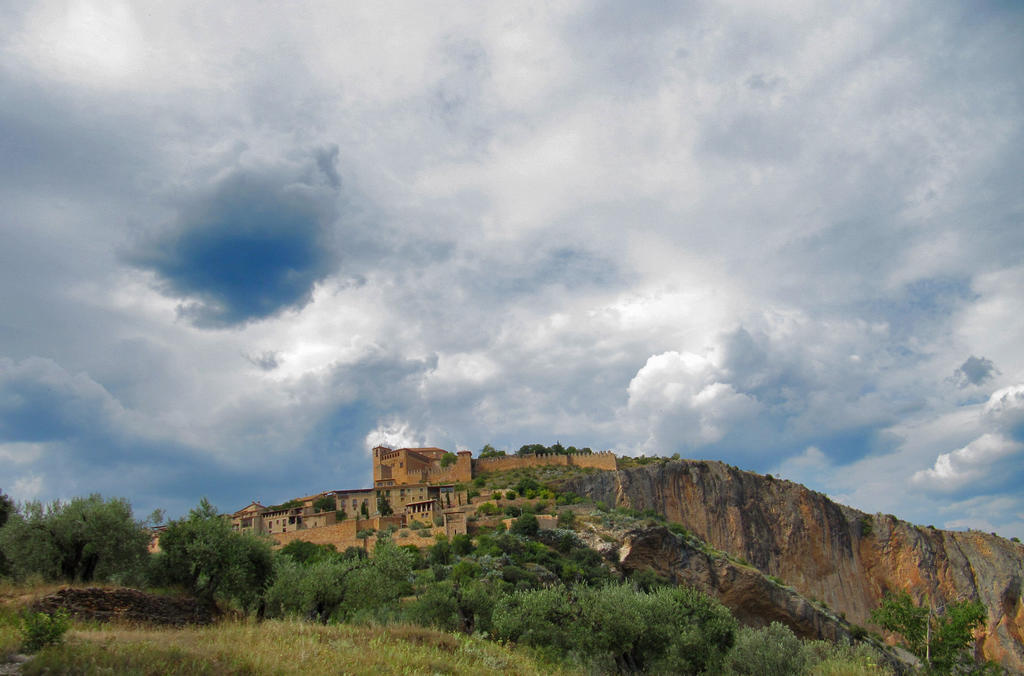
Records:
x=416, y=488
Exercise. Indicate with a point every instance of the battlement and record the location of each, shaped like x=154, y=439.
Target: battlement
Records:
x=604, y=460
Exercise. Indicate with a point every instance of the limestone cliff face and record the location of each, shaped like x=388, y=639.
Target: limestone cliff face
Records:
x=826, y=551
x=753, y=599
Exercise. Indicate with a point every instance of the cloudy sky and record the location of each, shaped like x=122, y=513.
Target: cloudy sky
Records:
x=240, y=244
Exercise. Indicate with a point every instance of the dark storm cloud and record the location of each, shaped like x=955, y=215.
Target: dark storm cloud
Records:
x=255, y=244
x=975, y=371
x=266, y=361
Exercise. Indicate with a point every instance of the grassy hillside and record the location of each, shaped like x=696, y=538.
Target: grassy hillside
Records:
x=270, y=647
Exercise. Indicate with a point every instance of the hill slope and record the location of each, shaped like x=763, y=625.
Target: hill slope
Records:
x=840, y=555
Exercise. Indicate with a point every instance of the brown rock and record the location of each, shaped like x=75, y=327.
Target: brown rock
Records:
x=824, y=550
x=124, y=605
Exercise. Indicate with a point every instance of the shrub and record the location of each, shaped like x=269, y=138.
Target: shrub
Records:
x=526, y=525
x=488, y=509
x=440, y=553
x=866, y=525
x=306, y=552
x=679, y=529
x=510, y=495
x=566, y=518
x=461, y=544
x=325, y=503
x=496, y=495
x=672, y=630
x=770, y=651
x=527, y=484
x=39, y=630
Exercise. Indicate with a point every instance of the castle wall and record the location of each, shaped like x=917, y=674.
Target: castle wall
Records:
x=603, y=460
x=459, y=472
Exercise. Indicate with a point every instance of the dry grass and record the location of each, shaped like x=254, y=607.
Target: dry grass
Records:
x=246, y=647
x=280, y=647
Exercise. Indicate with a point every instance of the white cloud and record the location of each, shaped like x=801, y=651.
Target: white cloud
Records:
x=965, y=465
x=394, y=433
x=27, y=487
x=1005, y=408
x=615, y=225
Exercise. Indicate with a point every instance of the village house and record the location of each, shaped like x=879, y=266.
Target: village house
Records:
x=412, y=488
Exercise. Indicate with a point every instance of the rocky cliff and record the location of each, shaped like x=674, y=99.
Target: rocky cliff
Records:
x=826, y=551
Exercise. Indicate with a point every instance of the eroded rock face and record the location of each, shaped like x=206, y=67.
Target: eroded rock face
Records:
x=753, y=599
x=827, y=551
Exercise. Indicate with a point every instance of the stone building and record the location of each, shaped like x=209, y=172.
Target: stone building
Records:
x=410, y=485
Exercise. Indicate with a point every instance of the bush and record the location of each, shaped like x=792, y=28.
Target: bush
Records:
x=325, y=503
x=440, y=553
x=526, y=525
x=461, y=544
x=866, y=525
x=488, y=509
x=510, y=495
x=672, y=630
x=770, y=651
x=39, y=630
x=527, y=485
x=566, y=518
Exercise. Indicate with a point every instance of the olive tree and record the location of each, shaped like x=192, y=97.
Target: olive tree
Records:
x=203, y=554
x=81, y=540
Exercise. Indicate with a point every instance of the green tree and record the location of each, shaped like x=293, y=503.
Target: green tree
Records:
x=769, y=651
x=81, y=540
x=448, y=459
x=620, y=629
x=202, y=553
x=307, y=552
x=942, y=637
x=489, y=451
x=383, y=506
x=363, y=510
x=325, y=503
x=462, y=544
x=526, y=525
x=6, y=509
x=566, y=518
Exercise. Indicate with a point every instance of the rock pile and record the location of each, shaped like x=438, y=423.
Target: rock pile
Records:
x=124, y=605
